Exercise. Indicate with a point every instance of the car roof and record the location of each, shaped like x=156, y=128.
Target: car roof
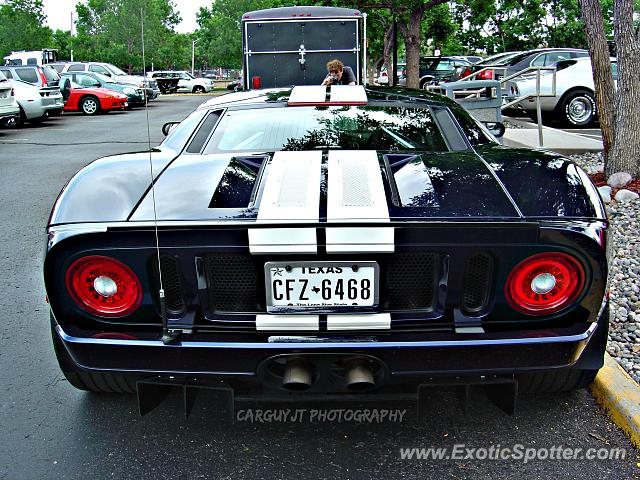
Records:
x=281, y=95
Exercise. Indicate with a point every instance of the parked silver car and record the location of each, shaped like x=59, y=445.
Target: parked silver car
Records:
x=36, y=103
x=118, y=75
x=9, y=109
x=574, y=103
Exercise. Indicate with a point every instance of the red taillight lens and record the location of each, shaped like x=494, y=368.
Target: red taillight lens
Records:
x=43, y=78
x=486, y=75
x=104, y=286
x=256, y=82
x=466, y=73
x=544, y=283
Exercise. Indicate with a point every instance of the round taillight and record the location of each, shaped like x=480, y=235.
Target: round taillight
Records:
x=104, y=286
x=544, y=283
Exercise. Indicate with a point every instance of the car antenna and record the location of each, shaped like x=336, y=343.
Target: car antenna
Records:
x=167, y=335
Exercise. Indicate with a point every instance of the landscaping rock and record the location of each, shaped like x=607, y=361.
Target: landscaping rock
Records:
x=605, y=193
x=619, y=180
x=626, y=196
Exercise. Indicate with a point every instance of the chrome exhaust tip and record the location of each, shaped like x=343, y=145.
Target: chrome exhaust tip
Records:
x=297, y=375
x=358, y=376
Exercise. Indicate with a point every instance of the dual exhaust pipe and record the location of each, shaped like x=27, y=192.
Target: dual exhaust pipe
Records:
x=298, y=375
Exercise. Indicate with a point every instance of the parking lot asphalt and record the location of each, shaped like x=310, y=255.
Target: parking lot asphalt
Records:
x=50, y=430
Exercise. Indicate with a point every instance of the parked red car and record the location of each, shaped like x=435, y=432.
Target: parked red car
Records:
x=90, y=101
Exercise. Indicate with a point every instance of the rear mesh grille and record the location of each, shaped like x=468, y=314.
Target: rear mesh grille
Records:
x=411, y=281
x=172, y=284
x=477, y=282
x=232, y=283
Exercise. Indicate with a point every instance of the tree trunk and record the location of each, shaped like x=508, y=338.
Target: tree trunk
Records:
x=601, y=67
x=387, y=51
x=412, y=34
x=625, y=153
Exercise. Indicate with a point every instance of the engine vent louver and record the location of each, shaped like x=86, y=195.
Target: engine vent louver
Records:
x=172, y=283
x=232, y=283
x=478, y=278
x=412, y=281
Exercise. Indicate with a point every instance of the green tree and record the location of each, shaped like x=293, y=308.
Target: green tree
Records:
x=22, y=26
x=110, y=31
x=500, y=25
x=61, y=40
x=219, y=36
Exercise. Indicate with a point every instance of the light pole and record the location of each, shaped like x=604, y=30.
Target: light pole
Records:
x=193, y=55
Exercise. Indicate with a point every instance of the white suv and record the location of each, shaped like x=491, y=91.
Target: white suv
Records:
x=9, y=109
x=187, y=82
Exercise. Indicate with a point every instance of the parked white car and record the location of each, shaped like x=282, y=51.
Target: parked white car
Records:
x=574, y=103
x=9, y=109
x=383, y=79
x=187, y=82
x=36, y=103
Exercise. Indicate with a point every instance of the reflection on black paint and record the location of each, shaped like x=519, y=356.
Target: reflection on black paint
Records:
x=372, y=128
x=237, y=183
x=446, y=185
x=542, y=184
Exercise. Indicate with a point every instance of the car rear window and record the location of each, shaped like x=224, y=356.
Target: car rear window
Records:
x=50, y=74
x=474, y=133
x=308, y=128
x=58, y=68
x=28, y=75
x=76, y=67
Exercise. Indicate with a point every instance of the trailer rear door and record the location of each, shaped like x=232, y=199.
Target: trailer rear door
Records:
x=295, y=52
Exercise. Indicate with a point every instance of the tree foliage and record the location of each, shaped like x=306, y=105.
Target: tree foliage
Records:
x=110, y=31
x=22, y=26
x=506, y=25
x=219, y=36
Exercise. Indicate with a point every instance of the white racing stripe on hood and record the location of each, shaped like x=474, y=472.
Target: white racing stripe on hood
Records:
x=356, y=194
x=291, y=195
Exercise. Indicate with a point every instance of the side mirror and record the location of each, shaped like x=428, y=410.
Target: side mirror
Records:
x=168, y=127
x=497, y=129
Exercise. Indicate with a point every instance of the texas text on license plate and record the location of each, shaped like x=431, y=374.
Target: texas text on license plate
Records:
x=308, y=286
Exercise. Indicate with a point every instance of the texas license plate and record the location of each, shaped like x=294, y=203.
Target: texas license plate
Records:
x=321, y=286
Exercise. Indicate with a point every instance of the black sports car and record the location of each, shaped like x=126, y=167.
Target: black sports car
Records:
x=328, y=240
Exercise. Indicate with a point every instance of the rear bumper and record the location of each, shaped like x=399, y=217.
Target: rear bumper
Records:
x=6, y=118
x=444, y=355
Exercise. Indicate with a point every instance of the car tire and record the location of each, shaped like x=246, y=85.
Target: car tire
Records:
x=561, y=380
x=90, y=105
x=17, y=122
x=578, y=108
x=425, y=83
x=198, y=89
x=38, y=121
x=97, y=382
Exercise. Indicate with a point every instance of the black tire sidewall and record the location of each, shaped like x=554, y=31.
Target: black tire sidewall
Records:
x=566, y=118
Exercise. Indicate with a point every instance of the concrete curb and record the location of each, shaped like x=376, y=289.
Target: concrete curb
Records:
x=619, y=395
